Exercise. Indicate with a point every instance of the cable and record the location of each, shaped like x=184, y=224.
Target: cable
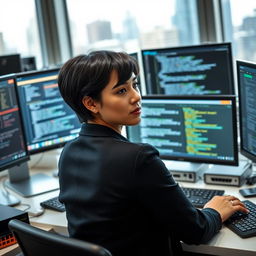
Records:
x=26, y=209
x=38, y=161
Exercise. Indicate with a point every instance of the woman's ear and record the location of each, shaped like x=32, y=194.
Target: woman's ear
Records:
x=90, y=104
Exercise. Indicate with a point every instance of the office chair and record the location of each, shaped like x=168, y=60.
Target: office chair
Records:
x=37, y=242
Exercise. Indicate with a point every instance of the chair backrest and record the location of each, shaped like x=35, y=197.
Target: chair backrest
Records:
x=34, y=241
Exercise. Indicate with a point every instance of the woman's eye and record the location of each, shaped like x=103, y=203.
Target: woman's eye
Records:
x=136, y=86
x=121, y=91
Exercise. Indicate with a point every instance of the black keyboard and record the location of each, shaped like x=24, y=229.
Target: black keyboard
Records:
x=199, y=196
x=244, y=224
x=54, y=204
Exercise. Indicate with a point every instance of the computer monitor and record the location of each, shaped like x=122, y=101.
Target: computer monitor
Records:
x=246, y=72
x=189, y=128
x=13, y=145
x=13, y=150
x=49, y=121
x=10, y=64
x=198, y=70
x=28, y=63
x=134, y=55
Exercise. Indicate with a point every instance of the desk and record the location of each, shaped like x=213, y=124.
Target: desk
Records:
x=225, y=243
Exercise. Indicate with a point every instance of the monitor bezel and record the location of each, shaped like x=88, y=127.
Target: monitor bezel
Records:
x=232, y=98
x=197, y=46
x=243, y=151
x=31, y=73
x=26, y=157
x=13, y=57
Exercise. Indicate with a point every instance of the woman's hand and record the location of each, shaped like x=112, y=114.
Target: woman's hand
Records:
x=226, y=206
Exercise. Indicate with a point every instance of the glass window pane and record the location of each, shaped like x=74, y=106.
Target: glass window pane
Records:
x=122, y=25
x=18, y=29
x=240, y=27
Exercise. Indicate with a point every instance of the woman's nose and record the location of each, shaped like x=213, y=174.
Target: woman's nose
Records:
x=136, y=96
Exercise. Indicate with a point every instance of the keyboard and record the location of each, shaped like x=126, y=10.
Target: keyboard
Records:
x=199, y=196
x=53, y=204
x=244, y=224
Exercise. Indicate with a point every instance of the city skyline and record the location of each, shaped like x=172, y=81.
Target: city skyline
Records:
x=19, y=33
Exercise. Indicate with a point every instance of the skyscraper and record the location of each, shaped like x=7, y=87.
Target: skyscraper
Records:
x=185, y=20
x=98, y=31
x=130, y=28
x=1, y=43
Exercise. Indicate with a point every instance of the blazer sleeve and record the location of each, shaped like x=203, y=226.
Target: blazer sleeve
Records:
x=165, y=201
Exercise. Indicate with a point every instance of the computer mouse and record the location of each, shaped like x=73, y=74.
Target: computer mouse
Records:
x=35, y=212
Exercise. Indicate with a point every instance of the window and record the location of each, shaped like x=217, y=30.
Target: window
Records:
x=122, y=25
x=18, y=29
x=240, y=27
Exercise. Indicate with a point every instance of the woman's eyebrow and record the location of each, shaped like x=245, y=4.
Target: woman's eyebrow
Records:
x=122, y=83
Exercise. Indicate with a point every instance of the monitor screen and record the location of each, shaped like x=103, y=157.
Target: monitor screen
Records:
x=200, y=69
x=189, y=128
x=10, y=64
x=12, y=139
x=49, y=121
x=246, y=72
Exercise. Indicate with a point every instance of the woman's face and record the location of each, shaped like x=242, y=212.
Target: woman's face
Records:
x=120, y=104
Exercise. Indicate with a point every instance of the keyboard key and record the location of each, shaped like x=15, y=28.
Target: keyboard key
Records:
x=199, y=196
x=53, y=204
x=244, y=224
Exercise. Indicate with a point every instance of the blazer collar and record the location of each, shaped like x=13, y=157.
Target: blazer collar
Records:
x=97, y=130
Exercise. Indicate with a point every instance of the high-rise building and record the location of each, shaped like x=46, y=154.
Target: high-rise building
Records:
x=248, y=37
x=186, y=22
x=1, y=43
x=130, y=28
x=98, y=31
x=158, y=38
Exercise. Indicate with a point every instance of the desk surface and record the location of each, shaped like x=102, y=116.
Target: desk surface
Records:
x=224, y=243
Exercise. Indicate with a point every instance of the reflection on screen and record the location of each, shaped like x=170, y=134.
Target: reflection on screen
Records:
x=202, y=69
x=49, y=121
x=192, y=129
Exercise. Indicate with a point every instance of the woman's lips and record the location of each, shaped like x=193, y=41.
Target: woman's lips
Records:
x=137, y=111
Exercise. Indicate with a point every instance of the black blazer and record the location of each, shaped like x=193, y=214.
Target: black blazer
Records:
x=120, y=195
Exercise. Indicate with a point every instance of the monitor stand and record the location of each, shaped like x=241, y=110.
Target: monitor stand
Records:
x=21, y=182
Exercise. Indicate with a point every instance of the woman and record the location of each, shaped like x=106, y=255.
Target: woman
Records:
x=119, y=194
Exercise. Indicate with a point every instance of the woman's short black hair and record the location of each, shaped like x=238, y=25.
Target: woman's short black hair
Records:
x=88, y=75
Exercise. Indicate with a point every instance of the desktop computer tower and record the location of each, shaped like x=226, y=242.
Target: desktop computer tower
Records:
x=6, y=214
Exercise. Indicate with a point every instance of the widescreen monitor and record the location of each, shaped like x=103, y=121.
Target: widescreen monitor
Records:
x=189, y=128
x=13, y=150
x=246, y=74
x=49, y=121
x=10, y=64
x=205, y=69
